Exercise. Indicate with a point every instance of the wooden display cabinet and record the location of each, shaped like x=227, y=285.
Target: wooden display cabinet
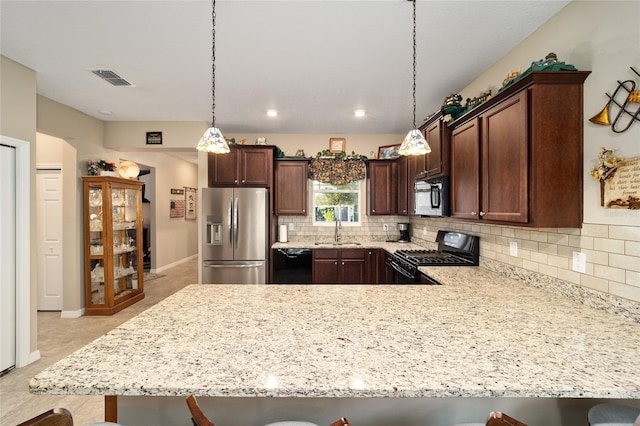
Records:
x=112, y=244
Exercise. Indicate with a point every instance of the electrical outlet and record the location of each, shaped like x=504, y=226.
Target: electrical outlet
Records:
x=580, y=262
x=424, y=231
x=291, y=227
x=385, y=227
x=513, y=248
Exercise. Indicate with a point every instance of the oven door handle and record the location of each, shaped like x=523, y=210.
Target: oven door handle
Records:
x=401, y=271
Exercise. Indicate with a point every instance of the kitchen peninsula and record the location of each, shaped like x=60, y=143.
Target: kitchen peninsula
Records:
x=375, y=354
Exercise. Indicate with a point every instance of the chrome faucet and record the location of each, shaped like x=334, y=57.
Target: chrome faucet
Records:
x=336, y=235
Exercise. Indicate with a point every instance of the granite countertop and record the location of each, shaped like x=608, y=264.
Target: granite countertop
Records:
x=479, y=334
x=366, y=244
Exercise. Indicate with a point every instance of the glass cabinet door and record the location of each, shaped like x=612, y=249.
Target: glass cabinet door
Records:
x=125, y=261
x=96, y=244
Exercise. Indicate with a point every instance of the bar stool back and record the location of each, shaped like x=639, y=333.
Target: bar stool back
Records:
x=200, y=419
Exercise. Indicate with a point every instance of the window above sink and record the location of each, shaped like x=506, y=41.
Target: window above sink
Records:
x=331, y=202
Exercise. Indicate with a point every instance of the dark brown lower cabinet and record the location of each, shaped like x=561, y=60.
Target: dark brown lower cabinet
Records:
x=372, y=273
x=339, y=266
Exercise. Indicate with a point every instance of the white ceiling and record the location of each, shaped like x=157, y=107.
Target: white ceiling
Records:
x=313, y=61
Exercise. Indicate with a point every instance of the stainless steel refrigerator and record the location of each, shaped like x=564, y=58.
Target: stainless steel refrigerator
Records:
x=235, y=240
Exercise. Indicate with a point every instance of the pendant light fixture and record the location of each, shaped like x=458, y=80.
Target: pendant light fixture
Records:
x=212, y=140
x=414, y=143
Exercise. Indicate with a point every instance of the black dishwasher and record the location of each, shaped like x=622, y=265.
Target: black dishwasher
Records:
x=292, y=266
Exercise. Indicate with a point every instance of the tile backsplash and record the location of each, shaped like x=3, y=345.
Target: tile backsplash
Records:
x=612, y=252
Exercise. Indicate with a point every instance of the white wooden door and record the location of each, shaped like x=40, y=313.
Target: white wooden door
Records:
x=7, y=258
x=49, y=234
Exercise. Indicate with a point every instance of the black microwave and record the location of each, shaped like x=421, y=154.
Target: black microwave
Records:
x=431, y=197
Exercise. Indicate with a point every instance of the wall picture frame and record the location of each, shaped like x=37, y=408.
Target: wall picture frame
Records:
x=154, y=138
x=388, y=152
x=337, y=145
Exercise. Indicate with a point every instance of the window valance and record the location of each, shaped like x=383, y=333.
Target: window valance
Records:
x=337, y=171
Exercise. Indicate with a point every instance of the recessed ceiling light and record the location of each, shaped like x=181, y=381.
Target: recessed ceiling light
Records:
x=359, y=113
x=272, y=113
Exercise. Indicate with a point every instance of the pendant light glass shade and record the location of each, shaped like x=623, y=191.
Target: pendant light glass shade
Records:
x=414, y=144
x=213, y=141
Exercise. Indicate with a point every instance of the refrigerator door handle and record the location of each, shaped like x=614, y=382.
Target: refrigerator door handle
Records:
x=230, y=216
x=230, y=266
x=235, y=222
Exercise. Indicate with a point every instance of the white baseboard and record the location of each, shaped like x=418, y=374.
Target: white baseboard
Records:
x=176, y=263
x=34, y=356
x=72, y=314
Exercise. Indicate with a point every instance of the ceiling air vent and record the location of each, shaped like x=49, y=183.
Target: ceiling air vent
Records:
x=111, y=77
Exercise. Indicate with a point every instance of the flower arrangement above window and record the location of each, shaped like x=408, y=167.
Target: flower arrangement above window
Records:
x=337, y=168
x=95, y=167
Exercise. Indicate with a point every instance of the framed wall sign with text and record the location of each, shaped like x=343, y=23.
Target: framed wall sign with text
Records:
x=154, y=138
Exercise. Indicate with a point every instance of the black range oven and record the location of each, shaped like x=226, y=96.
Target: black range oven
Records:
x=454, y=249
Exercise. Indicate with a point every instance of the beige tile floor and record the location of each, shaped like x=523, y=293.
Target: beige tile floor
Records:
x=59, y=337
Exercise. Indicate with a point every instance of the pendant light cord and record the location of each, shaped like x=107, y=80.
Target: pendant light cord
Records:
x=414, y=63
x=213, y=64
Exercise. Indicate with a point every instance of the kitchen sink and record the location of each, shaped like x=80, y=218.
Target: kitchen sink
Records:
x=337, y=244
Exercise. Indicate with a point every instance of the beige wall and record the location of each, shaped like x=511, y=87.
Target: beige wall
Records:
x=132, y=135
x=18, y=120
x=173, y=239
x=17, y=101
x=184, y=136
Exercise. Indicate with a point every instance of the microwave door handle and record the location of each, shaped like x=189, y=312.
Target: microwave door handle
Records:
x=435, y=196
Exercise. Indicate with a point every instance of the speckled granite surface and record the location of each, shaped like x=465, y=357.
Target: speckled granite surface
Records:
x=390, y=247
x=479, y=335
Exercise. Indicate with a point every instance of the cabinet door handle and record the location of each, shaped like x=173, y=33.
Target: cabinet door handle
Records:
x=374, y=210
x=243, y=181
x=336, y=262
x=482, y=214
x=235, y=181
x=343, y=263
x=473, y=213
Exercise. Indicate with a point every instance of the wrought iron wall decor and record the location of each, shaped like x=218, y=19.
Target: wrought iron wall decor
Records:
x=629, y=109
